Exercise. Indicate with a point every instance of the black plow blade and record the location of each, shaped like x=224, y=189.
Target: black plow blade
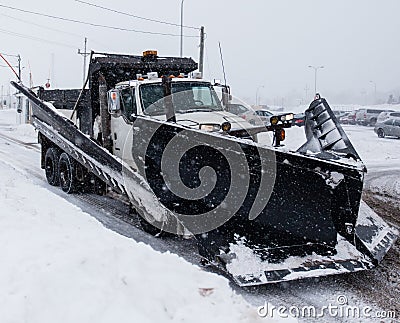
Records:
x=315, y=223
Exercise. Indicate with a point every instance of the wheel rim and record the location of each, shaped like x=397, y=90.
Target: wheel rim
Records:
x=50, y=168
x=65, y=175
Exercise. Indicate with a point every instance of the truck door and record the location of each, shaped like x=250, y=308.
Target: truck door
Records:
x=121, y=127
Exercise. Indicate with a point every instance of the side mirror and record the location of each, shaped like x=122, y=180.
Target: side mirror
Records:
x=114, y=102
x=226, y=95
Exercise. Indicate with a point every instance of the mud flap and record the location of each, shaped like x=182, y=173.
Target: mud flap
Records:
x=373, y=236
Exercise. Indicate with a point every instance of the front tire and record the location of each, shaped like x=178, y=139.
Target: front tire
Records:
x=51, y=166
x=147, y=226
x=67, y=169
x=381, y=133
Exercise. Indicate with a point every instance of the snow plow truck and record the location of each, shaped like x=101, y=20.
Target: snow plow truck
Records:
x=151, y=128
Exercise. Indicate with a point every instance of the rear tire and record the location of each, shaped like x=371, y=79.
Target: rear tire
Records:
x=51, y=166
x=96, y=185
x=67, y=169
x=381, y=133
x=372, y=122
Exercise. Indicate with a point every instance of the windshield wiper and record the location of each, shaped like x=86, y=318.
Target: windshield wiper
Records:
x=195, y=110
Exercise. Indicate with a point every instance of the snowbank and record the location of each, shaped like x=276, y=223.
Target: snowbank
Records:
x=11, y=125
x=59, y=264
x=377, y=153
x=388, y=185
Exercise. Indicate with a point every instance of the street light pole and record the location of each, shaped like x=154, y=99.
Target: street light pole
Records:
x=315, y=76
x=182, y=28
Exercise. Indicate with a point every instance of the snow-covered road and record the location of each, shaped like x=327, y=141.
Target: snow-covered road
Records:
x=59, y=264
x=22, y=177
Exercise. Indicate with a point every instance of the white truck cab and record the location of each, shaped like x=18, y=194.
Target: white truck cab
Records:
x=195, y=103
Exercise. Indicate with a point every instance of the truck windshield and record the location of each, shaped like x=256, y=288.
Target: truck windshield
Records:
x=186, y=97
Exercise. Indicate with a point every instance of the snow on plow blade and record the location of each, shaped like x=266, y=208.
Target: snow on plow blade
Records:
x=314, y=223
x=373, y=235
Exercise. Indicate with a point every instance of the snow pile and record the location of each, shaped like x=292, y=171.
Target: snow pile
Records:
x=61, y=265
x=9, y=116
x=388, y=185
x=25, y=132
x=376, y=152
x=10, y=124
x=247, y=264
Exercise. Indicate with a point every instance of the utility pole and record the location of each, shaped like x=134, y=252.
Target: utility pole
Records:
x=201, y=58
x=84, y=54
x=19, y=107
x=182, y=28
x=19, y=67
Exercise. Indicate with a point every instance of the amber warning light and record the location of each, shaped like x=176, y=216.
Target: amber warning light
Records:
x=150, y=53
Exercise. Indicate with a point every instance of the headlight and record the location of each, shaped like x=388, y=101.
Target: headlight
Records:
x=282, y=118
x=210, y=127
x=287, y=117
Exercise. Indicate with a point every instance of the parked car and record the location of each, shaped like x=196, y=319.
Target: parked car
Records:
x=264, y=115
x=343, y=118
x=383, y=116
x=254, y=117
x=348, y=118
x=368, y=117
x=339, y=113
x=237, y=108
x=299, y=119
x=390, y=127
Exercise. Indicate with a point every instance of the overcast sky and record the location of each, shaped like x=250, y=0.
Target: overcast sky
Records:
x=267, y=45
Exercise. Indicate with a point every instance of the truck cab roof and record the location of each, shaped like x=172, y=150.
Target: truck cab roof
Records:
x=134, y=83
